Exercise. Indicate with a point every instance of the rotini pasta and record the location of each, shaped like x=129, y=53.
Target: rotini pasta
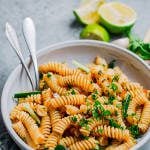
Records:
x=84, y=144
x=67, y=141
x=82, y=109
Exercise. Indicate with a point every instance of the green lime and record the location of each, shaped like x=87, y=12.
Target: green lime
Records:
x=95, y=32
x=87, y=13
x=117, y=17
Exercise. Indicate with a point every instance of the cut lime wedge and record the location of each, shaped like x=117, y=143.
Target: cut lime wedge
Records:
x=95, y=32
x=87, y=11
x=117, y=17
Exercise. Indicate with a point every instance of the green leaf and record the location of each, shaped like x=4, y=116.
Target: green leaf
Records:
x=113, y=86
x=114, y=124
x=125, y=105
x=49, y=74
x=74, y=119
x=111, y=99
x=60, y=147
x=112, y=64
x=134, y=130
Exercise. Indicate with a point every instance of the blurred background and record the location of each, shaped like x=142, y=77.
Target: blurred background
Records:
x=54, y=22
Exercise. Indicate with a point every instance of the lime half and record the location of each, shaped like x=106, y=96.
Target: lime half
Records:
x=117, y=17
x=95, y=32
x=87, y=11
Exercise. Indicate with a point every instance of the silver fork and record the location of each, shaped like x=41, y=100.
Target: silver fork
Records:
x=30, y=38
x=13, y=39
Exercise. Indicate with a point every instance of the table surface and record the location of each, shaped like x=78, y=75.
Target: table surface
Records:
x=55, y=23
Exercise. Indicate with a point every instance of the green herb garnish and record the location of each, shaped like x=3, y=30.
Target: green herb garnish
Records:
x=139, y=47
x=49, y=75
x=94, y=95
x=74, y=119
x=99, y=108
x=125, y=105
x=73, y=92
x=60, y=147
x=111, y=99
x=112, y=64
x=134, y=130
x=83, y=122
x=113, y=86
x=114, y=124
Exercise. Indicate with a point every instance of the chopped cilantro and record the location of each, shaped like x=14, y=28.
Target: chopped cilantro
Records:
x=115, y=78
x=73, y=92
x=98, y=107
x=112, y=64
x=125, y=105
x=134, y=130
x=111, y=99
x=74, y=119
x=83, y=122
x=113, y=86
x=114, y=124
x=106, y=113
x=49, y=74
x=94, y=95
x=60, y=147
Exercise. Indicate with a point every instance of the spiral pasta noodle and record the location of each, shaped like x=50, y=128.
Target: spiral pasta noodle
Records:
x=45, y=126
x=67, y=141
x=59, y=68
x=85, y=108
x=84, y=144
x=51, y=141
x=72, y=110
x=33, y=98
x=65, y=100
x=77, y=80
x=63, y=124
x=52, y=83
x=31, y=126
x=112, y=132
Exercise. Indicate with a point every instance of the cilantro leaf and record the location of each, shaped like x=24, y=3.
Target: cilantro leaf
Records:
x=134, y=130
x=113, y=86
x=60, y=147
x=74, y=119
x=112, y=64
x=125, y=105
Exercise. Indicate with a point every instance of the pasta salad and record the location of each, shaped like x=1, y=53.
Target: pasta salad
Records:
x=91, y=107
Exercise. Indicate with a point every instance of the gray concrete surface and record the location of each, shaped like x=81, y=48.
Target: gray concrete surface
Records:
x=55, y=23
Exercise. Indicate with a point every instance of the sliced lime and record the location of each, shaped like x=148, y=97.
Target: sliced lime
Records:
x=117, y=17
x=95, y=32
x=87, y=11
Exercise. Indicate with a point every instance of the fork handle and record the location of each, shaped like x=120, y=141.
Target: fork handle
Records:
x=30, y=38
x=13, y=39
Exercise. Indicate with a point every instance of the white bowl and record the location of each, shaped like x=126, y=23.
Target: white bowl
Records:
x=83, y=51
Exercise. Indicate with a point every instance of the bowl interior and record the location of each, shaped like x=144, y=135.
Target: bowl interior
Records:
x=82, y=51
